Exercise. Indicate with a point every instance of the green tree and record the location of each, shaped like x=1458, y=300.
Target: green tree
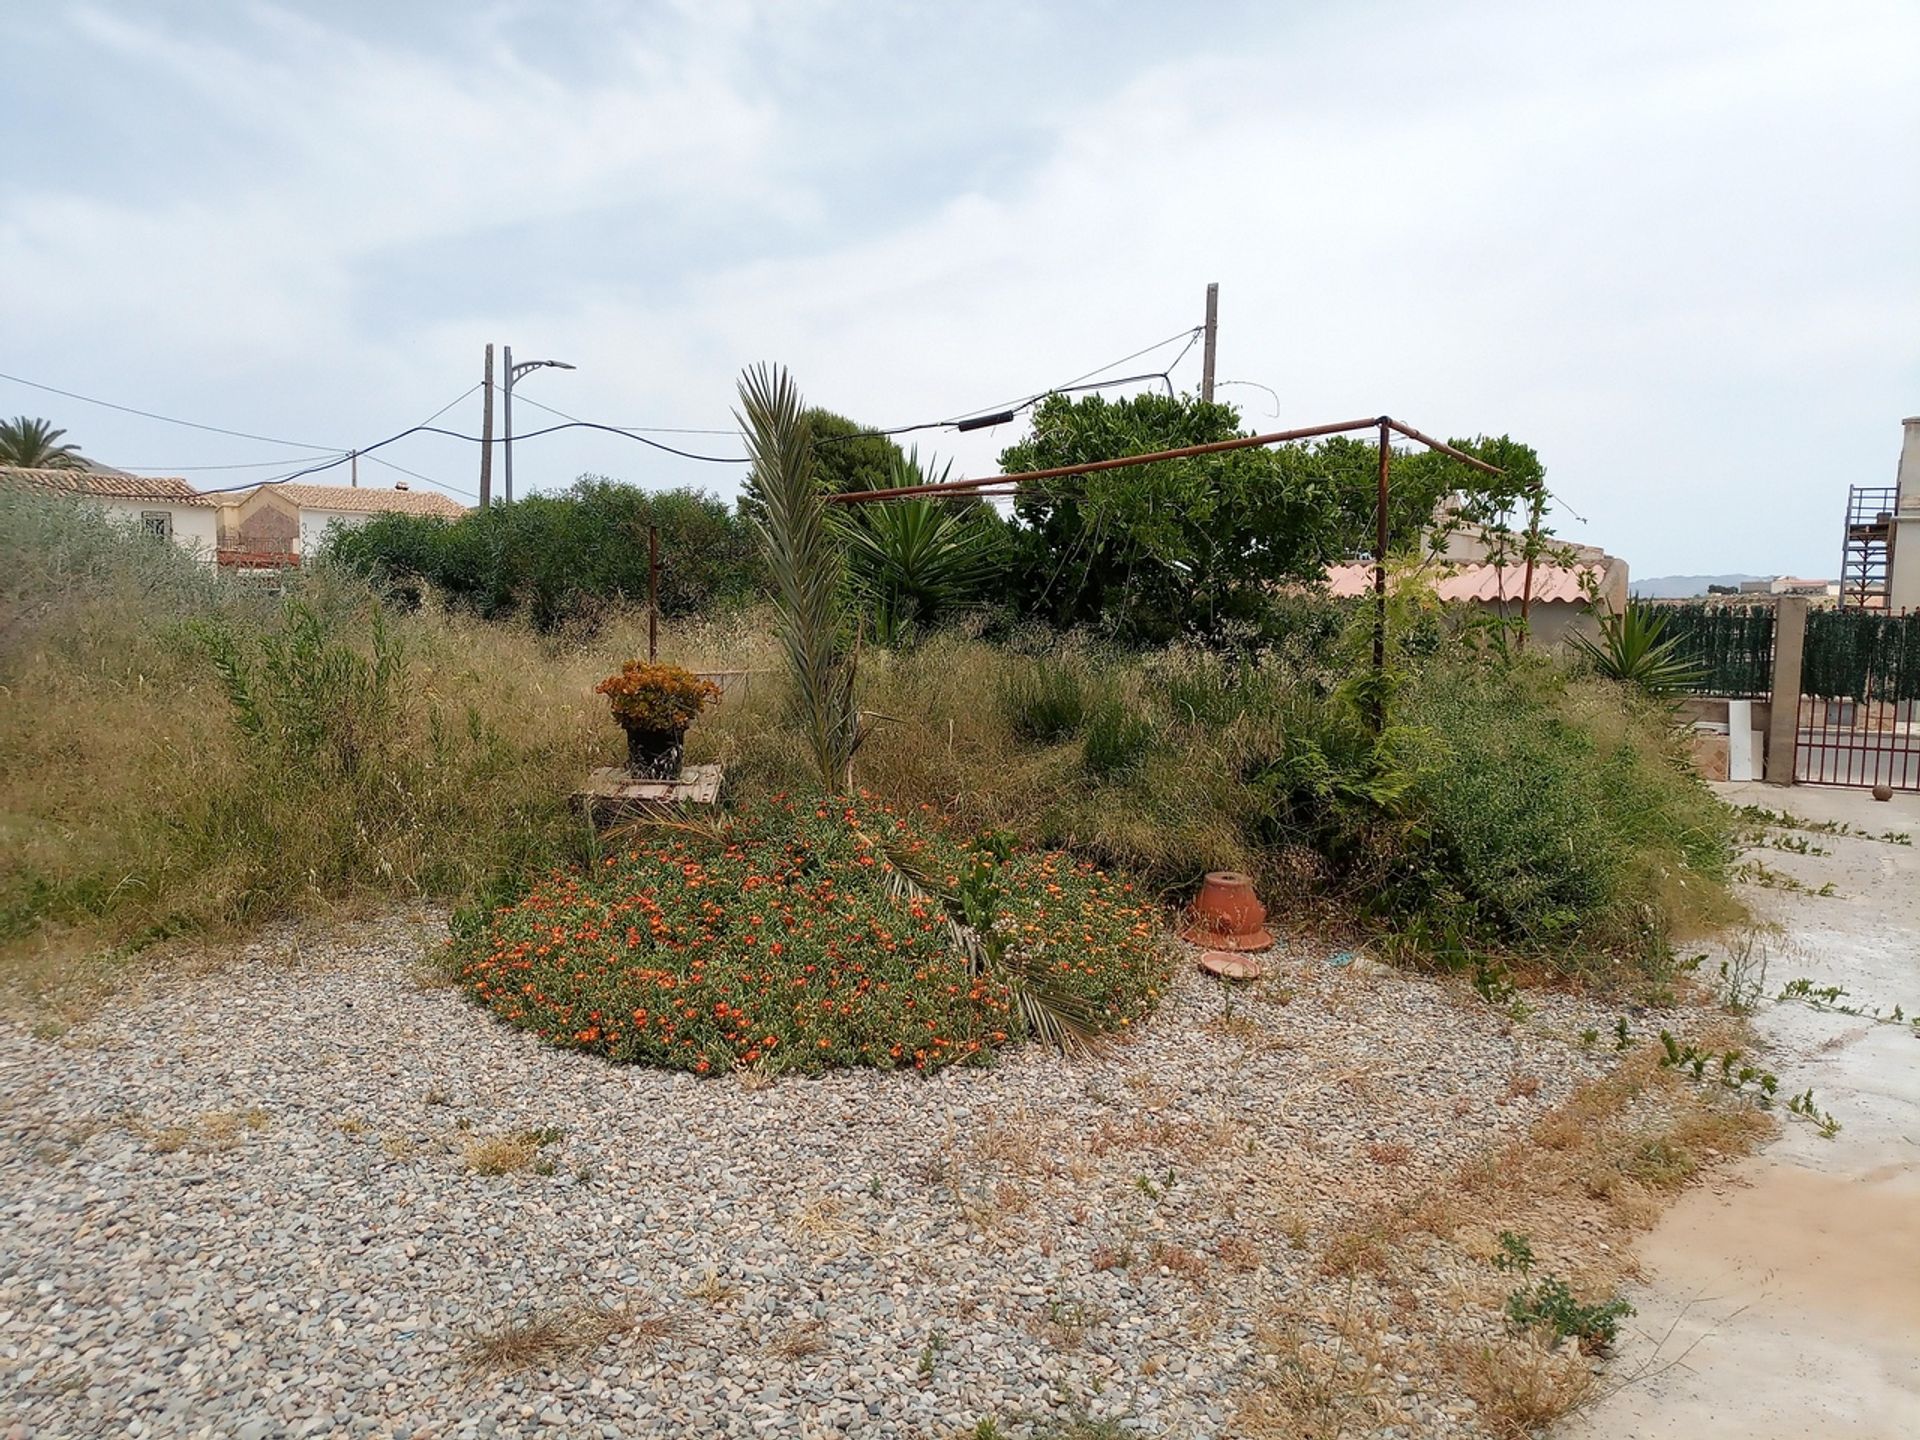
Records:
x=848, y=456
x=562, y=559
x=35, y=445
x=1183, y=547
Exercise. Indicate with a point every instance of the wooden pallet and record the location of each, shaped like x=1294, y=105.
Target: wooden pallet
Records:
x=611, y=794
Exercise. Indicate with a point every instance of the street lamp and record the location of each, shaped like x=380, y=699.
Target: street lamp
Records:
x=513, y=373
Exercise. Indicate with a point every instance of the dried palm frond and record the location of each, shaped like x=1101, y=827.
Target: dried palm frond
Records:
x=807, y=561
x=1052, y=1015
x=647, y=817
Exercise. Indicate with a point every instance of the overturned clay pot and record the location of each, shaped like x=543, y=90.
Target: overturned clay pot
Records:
x=1226, y=915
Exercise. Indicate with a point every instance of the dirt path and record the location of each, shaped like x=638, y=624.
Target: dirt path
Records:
x=1791, y=1284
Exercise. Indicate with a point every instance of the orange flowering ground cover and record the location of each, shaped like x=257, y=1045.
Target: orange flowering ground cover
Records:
x=781, y=945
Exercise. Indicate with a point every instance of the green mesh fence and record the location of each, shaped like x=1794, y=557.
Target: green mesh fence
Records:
x=1860, y=655
x=1731, y=645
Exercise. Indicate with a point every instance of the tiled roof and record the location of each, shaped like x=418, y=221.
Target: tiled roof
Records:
x=366, y=500
x=104, y=486
x=1479, y=582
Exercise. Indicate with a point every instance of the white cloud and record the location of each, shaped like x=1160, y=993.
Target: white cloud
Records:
x=1669, y=247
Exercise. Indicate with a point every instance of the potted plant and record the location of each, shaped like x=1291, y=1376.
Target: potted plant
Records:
x=655, y=704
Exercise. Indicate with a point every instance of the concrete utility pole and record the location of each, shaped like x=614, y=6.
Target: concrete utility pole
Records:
x=506, y=418
x=486, y=434
x=353, y=469
x=510, y=373
x=1206, y=351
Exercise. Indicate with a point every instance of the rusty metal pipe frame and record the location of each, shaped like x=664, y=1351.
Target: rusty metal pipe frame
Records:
x=1215, y=447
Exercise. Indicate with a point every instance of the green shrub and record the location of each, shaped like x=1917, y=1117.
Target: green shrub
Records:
x=787, y=941
x=1555, y=814
x=562, y=560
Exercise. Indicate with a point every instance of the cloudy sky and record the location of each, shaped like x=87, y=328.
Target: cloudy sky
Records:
x=1676, y=247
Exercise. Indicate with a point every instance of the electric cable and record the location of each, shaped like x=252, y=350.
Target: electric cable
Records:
x=166, y=419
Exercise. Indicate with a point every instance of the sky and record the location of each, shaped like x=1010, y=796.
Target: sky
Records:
x=1674, y=247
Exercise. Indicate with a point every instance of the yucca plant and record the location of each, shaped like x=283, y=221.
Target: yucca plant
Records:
x=913, y=562
x=1634, y=649
x=807, y=564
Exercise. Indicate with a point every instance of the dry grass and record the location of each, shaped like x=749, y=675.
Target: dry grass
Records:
x=712, y=1287
x=503, y=1154
x=1579, y=1184
x=551, y=1339
x=1312, y=1390
x=1389, y=1152
x=799, y=1340
x=215, y=1131
x=1523, y=1384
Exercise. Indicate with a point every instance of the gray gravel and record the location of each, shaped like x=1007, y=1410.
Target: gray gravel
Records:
x=238, y=1205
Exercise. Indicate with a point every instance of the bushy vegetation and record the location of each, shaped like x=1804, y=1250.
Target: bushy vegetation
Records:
x=560, y=560
x=185, y=753
x=1509, y=810
x=789, y=940
x=1204, y=548
x=189, y=753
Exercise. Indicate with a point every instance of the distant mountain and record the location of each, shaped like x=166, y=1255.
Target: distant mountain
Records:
x=1679, y=587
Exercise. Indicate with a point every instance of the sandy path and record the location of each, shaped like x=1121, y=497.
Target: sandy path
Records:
x=1795, y=1276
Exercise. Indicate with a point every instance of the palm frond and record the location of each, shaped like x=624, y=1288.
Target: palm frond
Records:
x=649, y=817
x=1635, y=649
x=1052, y=1016
x=807, y=563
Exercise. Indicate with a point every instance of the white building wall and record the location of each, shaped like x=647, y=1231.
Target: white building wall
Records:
x=315, y=523
x=1903, y=574
x=196, y=528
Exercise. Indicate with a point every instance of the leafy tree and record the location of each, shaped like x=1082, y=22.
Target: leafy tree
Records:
x=561, y=559
x=1419, y=482
x=35, y=445
x=848, y=456
x=1183, y=547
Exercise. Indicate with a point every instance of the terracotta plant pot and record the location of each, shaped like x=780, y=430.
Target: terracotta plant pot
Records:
x=1226, y=915
x=654, y=754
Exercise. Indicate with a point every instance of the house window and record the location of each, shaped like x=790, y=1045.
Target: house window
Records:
x=157, y=522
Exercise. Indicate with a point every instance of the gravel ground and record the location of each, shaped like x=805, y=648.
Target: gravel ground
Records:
x=241, y=1204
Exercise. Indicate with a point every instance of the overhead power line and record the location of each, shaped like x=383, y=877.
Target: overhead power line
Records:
x=164, y=419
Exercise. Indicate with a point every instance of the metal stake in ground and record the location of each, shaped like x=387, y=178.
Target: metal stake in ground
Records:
x=1379, y=707
x=653, y=592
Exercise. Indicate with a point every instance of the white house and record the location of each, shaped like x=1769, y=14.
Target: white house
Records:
x=167, y=507
x=1903, y=564
x=285, y=524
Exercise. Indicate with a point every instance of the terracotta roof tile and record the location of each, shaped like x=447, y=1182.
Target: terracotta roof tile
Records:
x=366, y=500
x=104, y=486
x=1479, y=581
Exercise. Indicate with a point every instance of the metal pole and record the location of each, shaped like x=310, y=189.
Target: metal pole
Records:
x=353, y=469
x=486, y=435
x=1526, y=582
x=653, y=591
x=506, y=418
x=1206, y=352
x=1380, y=578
